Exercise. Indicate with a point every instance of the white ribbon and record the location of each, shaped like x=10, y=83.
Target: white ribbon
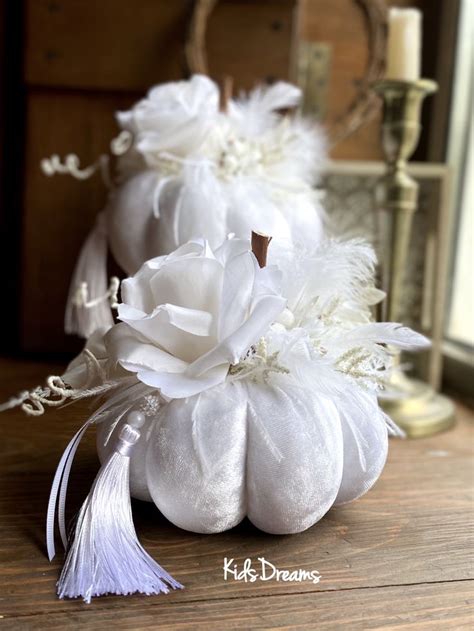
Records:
x=59, y=485
x=162, y=182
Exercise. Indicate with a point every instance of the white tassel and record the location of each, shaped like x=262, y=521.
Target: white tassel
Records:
x=105, y=556
x=88, y=306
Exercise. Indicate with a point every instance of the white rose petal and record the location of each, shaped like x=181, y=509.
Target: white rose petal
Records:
x=188, y=316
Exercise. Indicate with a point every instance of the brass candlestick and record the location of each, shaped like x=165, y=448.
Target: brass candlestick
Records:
x=416, y=408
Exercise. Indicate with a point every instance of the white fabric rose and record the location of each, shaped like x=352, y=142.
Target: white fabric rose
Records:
x=187, y=317
x=175, y=117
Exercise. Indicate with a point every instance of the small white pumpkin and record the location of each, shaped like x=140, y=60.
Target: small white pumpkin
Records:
x=192, y=170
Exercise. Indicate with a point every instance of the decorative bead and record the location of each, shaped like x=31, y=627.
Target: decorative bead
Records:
x=136, y=419
x=286, y=318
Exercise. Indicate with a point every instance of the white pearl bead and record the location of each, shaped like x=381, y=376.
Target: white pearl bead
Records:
x=136, y=419
x=286, y=318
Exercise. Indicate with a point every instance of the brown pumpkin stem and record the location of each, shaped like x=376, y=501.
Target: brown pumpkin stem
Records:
x=260, y=243
x=226, y=85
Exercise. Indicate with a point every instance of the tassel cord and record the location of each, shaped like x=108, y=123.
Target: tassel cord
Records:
x=105, y=556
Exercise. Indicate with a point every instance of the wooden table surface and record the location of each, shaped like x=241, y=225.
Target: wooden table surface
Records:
x=399, y=558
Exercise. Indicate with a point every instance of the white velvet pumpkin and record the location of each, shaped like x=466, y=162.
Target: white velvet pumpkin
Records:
x=264, y=399
x=195, y=171
x=279, y=454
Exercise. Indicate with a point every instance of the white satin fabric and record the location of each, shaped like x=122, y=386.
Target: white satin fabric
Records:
x=275, y=452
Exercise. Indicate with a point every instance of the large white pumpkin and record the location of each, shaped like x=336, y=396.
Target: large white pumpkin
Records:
x=258, y=385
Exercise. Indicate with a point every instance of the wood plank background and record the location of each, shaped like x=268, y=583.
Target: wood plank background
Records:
x=128, y=46
x=82, y=61
x=401, y=557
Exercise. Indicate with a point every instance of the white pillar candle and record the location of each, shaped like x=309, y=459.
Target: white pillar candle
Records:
x=404, y=44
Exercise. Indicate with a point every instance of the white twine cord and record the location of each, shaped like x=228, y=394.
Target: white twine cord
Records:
x=121, y=143
x=57, y=392
x=72, y=166
x=81, y=296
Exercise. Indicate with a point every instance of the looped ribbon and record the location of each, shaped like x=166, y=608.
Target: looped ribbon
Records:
x=59, y=487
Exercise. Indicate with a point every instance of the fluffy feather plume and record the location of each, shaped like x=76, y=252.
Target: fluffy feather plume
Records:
x=388, y=333
x=333, y=281
x=331, y=293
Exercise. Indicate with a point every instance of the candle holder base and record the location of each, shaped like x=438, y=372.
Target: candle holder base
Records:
x=418, y=410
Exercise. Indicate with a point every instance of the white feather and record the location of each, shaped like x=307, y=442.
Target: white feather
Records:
x=389, y=333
